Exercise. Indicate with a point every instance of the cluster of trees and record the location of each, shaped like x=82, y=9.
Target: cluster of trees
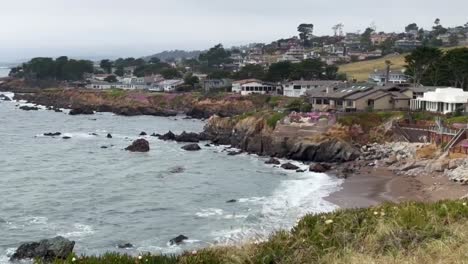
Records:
x=141, y=67
x=432, y=66
x=60, y=69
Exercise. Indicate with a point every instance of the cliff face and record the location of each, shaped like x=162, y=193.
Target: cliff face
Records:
x=252, y=134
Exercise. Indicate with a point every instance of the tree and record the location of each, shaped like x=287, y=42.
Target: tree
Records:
x=305, y=32
x=106, y=65
x=310, y=69
x=453, y=40
x=280, y=71
x=411, y=27
x=215, y=56
x=338, y=29
x=111, y=79
x=331, y=72
x=420, y=61
x=366, y=38
x=250, y=71
x=119, y=71
x=457, y=65
x=170, y=73
x=191, y=80
x=219, y=74
x=154, y=60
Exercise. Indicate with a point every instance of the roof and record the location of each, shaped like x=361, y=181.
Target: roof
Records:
x=241, y=82
x=446, y=95
x=423, y=89
x=316, y=82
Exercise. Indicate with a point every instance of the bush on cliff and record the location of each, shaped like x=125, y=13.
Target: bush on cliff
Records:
x=390, y=233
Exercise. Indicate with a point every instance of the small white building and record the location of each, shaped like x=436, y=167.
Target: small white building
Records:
x=394, y=77
x=166, y=85
x=253, y=86
x=300, y=87
x=102, y=85
x=442, y=100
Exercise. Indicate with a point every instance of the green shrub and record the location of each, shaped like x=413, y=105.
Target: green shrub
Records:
x=273, y=119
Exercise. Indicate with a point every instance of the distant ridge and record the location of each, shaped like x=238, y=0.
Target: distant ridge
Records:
x=175, y=54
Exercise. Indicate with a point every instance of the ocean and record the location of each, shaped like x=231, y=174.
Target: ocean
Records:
x=99, y=197
x=4, y=71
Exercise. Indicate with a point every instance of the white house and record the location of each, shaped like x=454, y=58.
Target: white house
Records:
x=166, y=85
x=300, y=87
x=253, y=86
x=102, y=85
x=394, y=77
x=442, y=100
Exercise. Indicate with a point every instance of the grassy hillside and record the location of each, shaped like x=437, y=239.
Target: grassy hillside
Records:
x=360, y=70
x=405, y=233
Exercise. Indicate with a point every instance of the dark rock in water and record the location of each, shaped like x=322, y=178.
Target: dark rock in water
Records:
x=207, y=145
x=168, y=136
x=155, y=135
x=46, y=250
x=29, y=108
x=124, y=245
x=289, y=166
x=234, y=153
x=187, y=137
x=177, y=169
x=191, y=147
x=81, y=111
x=93, y=134
x=143, y=133
x=104, y=147
x=300, y=170
x=66, y=137
x=127, y=111
x=273, y=161
x=4, y=97
x=177, y=240
x=232, y=201
x=319, y=167
x=139, y=145
x=109, y=135
x=52, y=134
x=57, y=110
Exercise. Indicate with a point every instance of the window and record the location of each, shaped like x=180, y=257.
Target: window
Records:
x=297, y=87
x=326, y=101
x=318, y=101
x=349, y=103
x=339, y=103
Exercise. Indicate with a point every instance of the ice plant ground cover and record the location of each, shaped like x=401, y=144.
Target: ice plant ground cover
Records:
x=390, y=233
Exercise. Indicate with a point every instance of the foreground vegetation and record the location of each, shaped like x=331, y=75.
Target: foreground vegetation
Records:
x=405, y=233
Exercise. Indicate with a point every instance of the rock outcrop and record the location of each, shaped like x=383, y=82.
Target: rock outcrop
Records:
x=191, y=147
x=29, y=108
x=81, y=111
x=289, y=166
x=139, y=145
x=178, y=240
x=46, y=250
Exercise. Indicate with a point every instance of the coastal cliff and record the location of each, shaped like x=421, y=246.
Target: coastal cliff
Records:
x=254, y=134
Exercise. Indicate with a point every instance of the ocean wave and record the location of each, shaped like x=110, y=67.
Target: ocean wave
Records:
x=210, y=212
x=79, y=230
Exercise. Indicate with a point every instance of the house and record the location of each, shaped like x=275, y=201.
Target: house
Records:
x=394, y=77
x=420, y=90
x=300, y=88
x=361, y=97
x=442, y=100
x=166, y=85
x=379, y=38
x=216, y=84
x=253, y=86
x=102, y=85
x=407, y=45
x=136, y=83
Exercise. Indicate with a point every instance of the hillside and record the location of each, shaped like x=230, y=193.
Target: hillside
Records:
x=404, y=233
x=175, y=54
x=360, y=70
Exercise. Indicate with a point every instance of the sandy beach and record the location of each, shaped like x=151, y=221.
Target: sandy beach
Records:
x=372, y=186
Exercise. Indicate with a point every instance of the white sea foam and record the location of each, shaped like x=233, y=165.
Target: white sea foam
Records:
x=5, y=256
x=210, y=212
x=79, y=230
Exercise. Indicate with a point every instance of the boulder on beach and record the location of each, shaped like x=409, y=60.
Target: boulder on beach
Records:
x=50, y=134
x=319, y=167
x=29, y=108
x=46, y=250
x=177, y=240
x=191, y=147
x=289, y=166
x=168, y=136
x=81, y=111
x=139, y=145
x=273, y=161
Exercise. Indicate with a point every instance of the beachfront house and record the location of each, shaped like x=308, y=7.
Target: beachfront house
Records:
x=166, y=85
x=103, y=85
x=442, y=100
x=361, y=98
x=216, y=84
x=253, y=86
x=299, y=88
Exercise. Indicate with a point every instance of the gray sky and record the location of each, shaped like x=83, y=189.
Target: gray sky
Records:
x=89, y=28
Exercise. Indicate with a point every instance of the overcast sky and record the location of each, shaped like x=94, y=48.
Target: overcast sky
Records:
x=89, y=28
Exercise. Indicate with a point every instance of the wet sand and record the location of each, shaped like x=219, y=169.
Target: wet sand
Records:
x=372, y=186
